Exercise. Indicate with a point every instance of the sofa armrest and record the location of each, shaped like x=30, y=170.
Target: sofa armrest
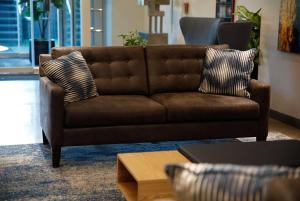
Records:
x=260, y=93
x=283, y=189
x=52, y=111
x=43, y=58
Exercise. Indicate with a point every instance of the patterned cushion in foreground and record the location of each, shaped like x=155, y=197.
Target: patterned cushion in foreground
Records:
x=73, y=75
x=227, y=72
x=221, y=182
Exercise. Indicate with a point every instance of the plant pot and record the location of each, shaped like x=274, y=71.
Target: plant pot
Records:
x=40, y=47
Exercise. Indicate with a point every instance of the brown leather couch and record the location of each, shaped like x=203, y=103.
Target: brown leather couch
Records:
x=147, y=95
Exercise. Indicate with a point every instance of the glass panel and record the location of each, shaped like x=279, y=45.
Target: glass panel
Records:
x=60, y=25
x=42, y=22
x=54, y=25
x=77, y=23
x=15, y=32
x=97, y=22
x=14, y=35
x=66, y=24
x=69, y=23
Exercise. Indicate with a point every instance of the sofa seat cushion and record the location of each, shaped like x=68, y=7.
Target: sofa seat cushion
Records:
x=112, y=110
x=195, y=106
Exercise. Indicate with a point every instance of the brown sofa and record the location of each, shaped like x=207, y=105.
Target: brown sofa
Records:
x=146, y=95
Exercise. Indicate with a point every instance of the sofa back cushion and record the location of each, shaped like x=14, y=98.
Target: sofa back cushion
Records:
x=175, y=68
x=116, y=70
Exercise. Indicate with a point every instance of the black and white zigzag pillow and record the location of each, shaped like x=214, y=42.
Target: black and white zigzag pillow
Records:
x=221, y=182
x=227, y=72
x=71, y=72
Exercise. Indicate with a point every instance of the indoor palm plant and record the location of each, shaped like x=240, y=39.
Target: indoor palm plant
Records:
x=41, y=12
x=243, y=14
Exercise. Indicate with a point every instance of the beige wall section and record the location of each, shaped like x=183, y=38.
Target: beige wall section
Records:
x=85, y=23
x=127, y=16
x=203, y=8
x=280, y=69
x=200, y=8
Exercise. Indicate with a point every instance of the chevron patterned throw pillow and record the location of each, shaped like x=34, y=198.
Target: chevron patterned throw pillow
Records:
x=221, y=182
x=227, y=72
x=71, y=72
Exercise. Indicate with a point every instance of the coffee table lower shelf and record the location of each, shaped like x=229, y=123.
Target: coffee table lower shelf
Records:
x=129, y=190
x=141, y=176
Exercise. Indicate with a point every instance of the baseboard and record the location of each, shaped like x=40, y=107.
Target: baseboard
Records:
x=285, y=118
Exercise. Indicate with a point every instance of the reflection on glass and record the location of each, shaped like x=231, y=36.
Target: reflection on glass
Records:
x=14, y=35
x=70, y=23
x=96, y=22
x=55, y=22
x=77, y=27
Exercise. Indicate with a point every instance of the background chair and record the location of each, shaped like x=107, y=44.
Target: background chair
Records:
x=197, y=30
x=235, y=34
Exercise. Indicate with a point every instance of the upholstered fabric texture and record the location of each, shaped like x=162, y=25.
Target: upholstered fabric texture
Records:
x=202, y=182
x=227, y=72
x=116, y=70
x=175, y=68
x=198, y=107
x=113, y=110
x=73, y=75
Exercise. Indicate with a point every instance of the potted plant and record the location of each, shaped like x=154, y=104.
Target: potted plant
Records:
x=41, y=9
x=133, y=39
x=244, y=14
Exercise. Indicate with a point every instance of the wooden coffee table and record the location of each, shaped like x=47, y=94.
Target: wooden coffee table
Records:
x=141, y=176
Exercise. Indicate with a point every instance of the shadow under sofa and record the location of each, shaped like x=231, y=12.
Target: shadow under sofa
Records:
x=147, y=94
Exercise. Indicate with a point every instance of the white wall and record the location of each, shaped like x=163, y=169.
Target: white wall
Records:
x=280, y=69
x=203, y=8
x=126, y=15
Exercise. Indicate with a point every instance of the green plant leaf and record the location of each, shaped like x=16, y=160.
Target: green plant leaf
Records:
x=244, y=14
x=132, y=39
x=58, y=3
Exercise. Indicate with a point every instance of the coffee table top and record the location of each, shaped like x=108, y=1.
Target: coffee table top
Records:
x=150, y=166
x=284, y=152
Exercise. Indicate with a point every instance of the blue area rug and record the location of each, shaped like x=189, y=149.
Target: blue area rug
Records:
x=86, y=172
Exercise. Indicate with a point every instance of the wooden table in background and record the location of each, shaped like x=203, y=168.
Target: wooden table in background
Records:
x=141, y=176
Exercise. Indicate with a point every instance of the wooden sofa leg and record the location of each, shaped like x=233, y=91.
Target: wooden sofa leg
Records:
x=56, y=152
x=45, y=140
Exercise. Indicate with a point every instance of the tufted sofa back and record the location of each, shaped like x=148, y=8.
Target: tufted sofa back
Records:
x=175, y=68
x=116, y=70
x=123, y=70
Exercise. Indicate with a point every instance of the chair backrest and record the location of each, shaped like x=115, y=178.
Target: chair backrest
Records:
x=198, y=30
x=235, y=34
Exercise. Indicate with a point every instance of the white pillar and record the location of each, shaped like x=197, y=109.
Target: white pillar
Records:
x=85, y=6
x=32, y=33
